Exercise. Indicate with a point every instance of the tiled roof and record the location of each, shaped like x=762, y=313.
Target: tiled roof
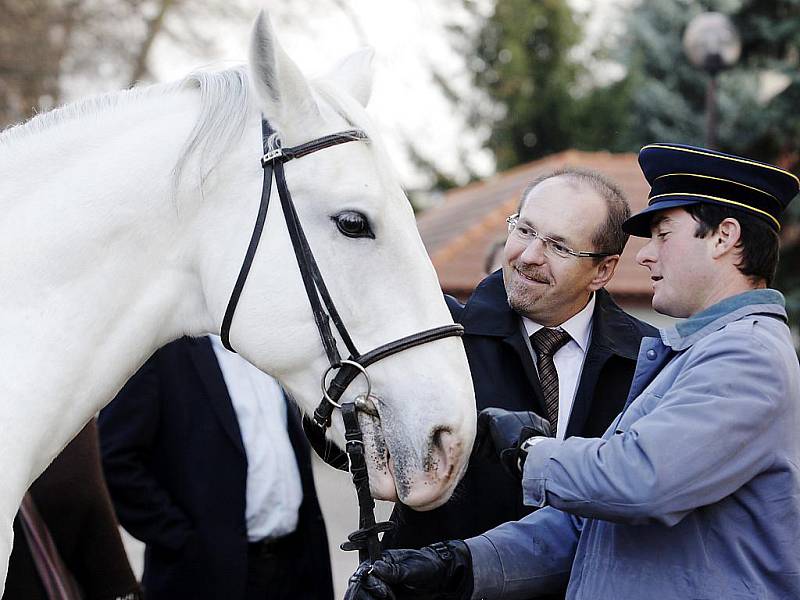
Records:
x=458, y=232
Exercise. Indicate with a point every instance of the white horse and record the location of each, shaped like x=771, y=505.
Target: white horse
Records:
x=124, y=223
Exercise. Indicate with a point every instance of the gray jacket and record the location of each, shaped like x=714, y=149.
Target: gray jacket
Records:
x=692, y=493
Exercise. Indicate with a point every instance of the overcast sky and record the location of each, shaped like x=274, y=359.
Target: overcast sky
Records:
x=407, y=37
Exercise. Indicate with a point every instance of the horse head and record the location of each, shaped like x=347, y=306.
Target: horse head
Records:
x=362, y=231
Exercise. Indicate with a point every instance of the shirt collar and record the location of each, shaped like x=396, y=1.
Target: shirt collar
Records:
x=216, y=342
x=579, y=326
x=715, y=317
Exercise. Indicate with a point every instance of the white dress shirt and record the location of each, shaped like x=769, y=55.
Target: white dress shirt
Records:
x=568, y=359
x=274, y=492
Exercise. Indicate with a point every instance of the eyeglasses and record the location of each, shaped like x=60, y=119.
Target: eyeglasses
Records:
x=525, y=234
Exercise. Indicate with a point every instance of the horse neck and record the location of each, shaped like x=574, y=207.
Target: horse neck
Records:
x=97, y=271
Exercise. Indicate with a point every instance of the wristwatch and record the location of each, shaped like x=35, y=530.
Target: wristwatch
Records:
x=525, y=447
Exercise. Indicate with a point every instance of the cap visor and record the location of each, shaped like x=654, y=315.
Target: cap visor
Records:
x=639, y=224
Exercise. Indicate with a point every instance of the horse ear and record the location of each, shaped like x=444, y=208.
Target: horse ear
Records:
x=282, y=88
x=354, y=74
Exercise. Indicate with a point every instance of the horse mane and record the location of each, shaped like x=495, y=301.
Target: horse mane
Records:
x=93, y=106
x=223, y=112
x=224, y=101
x=86, y=107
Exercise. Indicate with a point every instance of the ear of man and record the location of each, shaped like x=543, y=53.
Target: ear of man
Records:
x=726, y=240
x=604, y=271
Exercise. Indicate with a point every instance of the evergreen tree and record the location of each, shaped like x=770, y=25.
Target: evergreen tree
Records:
x=523, y=65
x=668, y=94
x=530, y=90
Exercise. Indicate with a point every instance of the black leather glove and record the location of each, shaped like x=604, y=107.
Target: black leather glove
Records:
x=365, y=586
x=441, y=571
x=501, y=433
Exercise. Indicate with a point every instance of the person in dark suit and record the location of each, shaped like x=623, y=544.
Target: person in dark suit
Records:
x=66, y=537
x=563, y=247
x=207, y=464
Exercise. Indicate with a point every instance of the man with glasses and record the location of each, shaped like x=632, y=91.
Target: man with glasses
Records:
x=694, y=490
x=544, y=340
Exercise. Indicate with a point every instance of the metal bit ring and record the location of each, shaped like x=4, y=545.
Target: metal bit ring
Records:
x=352, y=363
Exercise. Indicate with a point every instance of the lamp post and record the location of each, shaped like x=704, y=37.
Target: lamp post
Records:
x=712, y=43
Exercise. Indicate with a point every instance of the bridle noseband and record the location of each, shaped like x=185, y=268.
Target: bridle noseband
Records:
x=365, y=539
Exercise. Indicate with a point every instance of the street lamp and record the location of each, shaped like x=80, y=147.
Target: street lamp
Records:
x=712, y=43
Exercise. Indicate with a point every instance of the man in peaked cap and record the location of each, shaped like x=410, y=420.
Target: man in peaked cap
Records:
x=694, y=490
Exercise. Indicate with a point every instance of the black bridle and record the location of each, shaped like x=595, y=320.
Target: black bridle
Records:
x=365, y=539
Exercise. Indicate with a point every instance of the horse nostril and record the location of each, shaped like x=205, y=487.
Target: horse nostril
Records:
x=438, y=437
x=438, y=458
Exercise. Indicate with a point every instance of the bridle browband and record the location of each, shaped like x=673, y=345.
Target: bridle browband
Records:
x=365, y=539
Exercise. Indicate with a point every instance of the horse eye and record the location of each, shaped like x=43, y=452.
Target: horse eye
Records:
x=353, y=224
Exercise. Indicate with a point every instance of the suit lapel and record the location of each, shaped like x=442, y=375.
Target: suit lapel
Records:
x=205, y=361
x=487, y=313
x=592, y=365
x=612, y=335
x=299, y=444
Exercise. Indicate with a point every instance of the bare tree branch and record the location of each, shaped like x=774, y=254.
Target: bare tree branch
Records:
x=154, y=26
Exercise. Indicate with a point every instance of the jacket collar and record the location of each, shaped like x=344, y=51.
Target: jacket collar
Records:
x=690, y=331
x=487, y=313
x=210, y=374
x=613, y=329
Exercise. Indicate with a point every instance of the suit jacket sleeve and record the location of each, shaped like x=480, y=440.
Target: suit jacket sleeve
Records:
x=529, y=557
x=128, y=430
x=702, y=440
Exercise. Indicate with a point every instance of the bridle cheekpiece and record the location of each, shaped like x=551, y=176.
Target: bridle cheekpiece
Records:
x=365, y=539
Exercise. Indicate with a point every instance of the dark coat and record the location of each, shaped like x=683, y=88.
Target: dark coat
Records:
x=177, y=469
x=73, y=501
x=504, y=376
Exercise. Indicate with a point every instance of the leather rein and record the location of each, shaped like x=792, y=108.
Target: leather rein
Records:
x=365, y=539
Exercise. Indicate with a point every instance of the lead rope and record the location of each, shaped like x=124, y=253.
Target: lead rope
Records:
x=365, y=538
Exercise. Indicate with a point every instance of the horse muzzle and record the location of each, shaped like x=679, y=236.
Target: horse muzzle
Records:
x=398, y=472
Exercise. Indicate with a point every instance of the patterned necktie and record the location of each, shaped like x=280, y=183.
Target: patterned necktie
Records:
x=547, y=342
